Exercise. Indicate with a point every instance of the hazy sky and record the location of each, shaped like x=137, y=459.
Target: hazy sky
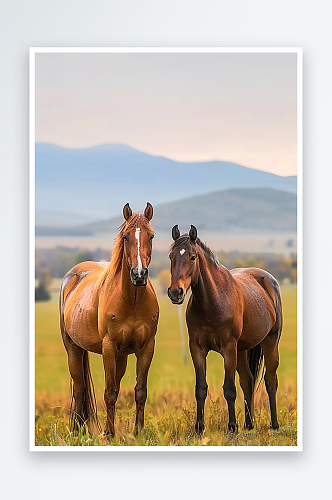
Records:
x=188, y=107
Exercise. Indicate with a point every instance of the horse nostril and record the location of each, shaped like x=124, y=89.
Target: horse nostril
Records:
x=180, y=292
x=134, y=273
x=145, y=272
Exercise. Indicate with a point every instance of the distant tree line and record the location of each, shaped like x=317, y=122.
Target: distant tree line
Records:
x=57, y=261
x=281, y=266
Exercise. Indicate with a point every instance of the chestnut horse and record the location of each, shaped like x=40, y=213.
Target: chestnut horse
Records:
x=236, y=313
x=111, y=309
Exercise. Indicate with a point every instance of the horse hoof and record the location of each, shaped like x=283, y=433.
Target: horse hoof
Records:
x=248, y=427
x=274, y=427
x=199, y=428
x=108, y=435
x=137, y=431
x=233, y=428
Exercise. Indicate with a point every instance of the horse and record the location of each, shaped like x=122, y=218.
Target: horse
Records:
x=111, y=309
x=236, y=313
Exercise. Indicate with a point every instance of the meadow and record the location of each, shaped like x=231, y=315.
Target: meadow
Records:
x=170, y=408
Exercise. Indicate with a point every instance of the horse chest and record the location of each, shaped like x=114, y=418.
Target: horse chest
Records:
x=130, y=337
x=210, y=335
x=127, y=330
x=210, y=320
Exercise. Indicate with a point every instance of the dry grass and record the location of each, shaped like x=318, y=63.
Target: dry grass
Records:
x=169, y=421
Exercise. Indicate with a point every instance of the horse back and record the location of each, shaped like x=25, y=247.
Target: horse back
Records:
x=77, y=275
x=263, y=278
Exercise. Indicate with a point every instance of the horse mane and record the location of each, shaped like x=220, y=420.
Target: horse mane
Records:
x=208, y=252
x=117, y=253
x=203, y=246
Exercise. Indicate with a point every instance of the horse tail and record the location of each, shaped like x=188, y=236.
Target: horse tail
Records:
x=279, y=320
x=255, y=361
x=273, y=290
x=90, y=401
x=89, y=410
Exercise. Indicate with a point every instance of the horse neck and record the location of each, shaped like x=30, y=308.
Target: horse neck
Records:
x=128, y=290
x=213, y=281
x=129, y=293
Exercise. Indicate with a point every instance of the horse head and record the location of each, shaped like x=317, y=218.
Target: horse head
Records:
x=137, y=235
x=184, y=267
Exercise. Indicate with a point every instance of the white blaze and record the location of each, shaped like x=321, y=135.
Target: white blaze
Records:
x=182, y=251
x=139, y=262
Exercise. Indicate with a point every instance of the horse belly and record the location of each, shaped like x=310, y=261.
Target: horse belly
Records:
x=258, y=320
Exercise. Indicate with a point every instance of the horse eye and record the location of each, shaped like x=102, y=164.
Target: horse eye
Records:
x=125, y=237
x=193, y=257
x=151, y=237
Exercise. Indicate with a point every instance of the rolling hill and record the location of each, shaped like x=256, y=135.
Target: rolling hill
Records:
x=75, y=186
x=235, y=210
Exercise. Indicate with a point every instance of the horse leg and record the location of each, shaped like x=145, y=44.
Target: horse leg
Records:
x=144, y=359
x=201, y=388
x=111, y=387
x=271, y=356
x=247, y=385
x=230, y=361
x=121, y=365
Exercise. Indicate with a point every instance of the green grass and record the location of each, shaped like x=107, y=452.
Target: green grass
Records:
x=170, y=406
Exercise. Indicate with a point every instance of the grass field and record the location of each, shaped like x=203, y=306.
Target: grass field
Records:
x=170, y=409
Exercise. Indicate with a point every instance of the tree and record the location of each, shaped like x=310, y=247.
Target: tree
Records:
x=45, y=277
x=41, y=291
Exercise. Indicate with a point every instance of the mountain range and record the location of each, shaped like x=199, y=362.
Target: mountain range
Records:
x=252, y=210
x=78, y=186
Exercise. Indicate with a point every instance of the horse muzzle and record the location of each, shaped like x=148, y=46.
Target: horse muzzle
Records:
x=139, y=278
x=176, y=295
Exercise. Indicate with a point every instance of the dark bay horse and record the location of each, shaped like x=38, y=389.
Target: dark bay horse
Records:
x=236, y=313
x=111, y=309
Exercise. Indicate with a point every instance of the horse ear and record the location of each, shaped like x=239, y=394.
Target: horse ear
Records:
x=175, y=232
x=193, y=233
x=148, y=212
x=127, y=211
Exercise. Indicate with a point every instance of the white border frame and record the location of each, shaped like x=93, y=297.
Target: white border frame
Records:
x=164, y=50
